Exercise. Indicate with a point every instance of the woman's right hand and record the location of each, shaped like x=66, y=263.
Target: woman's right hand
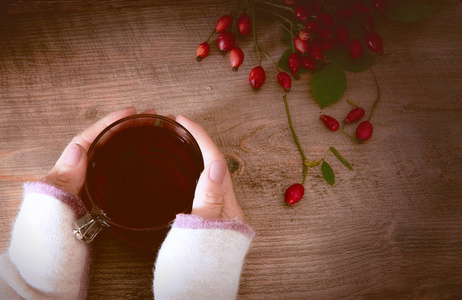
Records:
x=214, y=197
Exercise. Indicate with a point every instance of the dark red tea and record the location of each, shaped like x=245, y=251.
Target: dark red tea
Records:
x=143, y=176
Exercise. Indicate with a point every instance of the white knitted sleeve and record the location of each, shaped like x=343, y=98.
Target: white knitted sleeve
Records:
x=201, y=259
x=45, y=260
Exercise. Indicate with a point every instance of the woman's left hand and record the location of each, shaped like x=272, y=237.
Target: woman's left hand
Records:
x=69, y=171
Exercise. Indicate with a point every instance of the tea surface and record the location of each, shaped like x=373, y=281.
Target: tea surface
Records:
x=143, y=176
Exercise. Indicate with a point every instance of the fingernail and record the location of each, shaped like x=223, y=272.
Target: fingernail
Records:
x=73, y=155
x=217, y=171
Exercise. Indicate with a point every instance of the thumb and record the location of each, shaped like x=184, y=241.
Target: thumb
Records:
x=210, y=193
x=69, y=171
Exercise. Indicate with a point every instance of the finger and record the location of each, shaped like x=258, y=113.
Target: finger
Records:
x=88, y=135
x=69, y=174
x=214, y=196
x=209, y=196
x=69, y=171
x=148, y=111
x=208, y=148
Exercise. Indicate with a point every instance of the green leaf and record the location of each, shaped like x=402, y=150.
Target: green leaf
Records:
x=329, y=84
x=327, y=173
x=286, y=39
x=341, y=56
x=409, y=10
x=282, y=63
x=340, y=158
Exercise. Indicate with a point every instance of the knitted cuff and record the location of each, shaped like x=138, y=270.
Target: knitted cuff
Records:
x=196, y=222
x=201, y=259
x=73, y=201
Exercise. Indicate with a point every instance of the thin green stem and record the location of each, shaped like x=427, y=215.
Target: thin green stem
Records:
x=269, y=58
x=292, y=38
x=290, y=22
x=210, y=36
x=368, y=29
x=282, y=24
x=259, y=50
x=351, y=102
x=254, y=31
x=351, y=137
x=234, y=27
x=278, y=6
x=325, y=155
x=289, y=120
x=378, y=96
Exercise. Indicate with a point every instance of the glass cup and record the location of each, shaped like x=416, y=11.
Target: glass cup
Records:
x=142, y=171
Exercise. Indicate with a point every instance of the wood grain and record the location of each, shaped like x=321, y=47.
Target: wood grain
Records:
x=389, y=229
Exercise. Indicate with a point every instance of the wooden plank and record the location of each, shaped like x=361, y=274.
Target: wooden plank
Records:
x=391, y=228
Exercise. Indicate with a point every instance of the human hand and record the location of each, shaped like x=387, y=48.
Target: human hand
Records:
x=69, y=171
x=214, y=197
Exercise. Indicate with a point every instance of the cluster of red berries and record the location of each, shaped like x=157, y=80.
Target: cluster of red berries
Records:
x=363, y=131
x=315, y=27
x=227, y=42
x=350, y=26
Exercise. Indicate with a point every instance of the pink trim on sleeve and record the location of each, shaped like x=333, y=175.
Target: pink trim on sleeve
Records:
x=196, y=222
x=73, y=201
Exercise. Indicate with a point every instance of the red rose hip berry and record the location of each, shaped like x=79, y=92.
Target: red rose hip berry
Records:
x=304, y=35
x=226, y=41
x=354, y=115
x=236, y=57
x=374, y=42
x=364, y=131
x=327, y=44
x=202, y=51
x=285, y=81
x=356, y=48
x=362, y=9
x=308, y=63
x=300, y=45
x=257, y=77
x=342, y=35
x=301, y=13
x=244, y=24
x=330, y=122
x=294, y=193
x=344, y=14
x=312, y=26
x=224, y=23
x=316, y=51
x=326, y=20
x=379, y=4
x=294, y=62
x=325, y=33
x=369, y=23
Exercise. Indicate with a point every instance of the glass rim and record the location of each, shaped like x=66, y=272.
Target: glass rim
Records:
x=101, y=215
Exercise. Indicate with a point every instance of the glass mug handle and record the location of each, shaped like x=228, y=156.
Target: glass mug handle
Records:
x=87, y=227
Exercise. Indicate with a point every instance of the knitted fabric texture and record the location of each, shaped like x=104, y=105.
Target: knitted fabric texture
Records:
x=201, y=259
x=45, y=260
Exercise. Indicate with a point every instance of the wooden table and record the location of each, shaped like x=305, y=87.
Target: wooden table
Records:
x=391, y=228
